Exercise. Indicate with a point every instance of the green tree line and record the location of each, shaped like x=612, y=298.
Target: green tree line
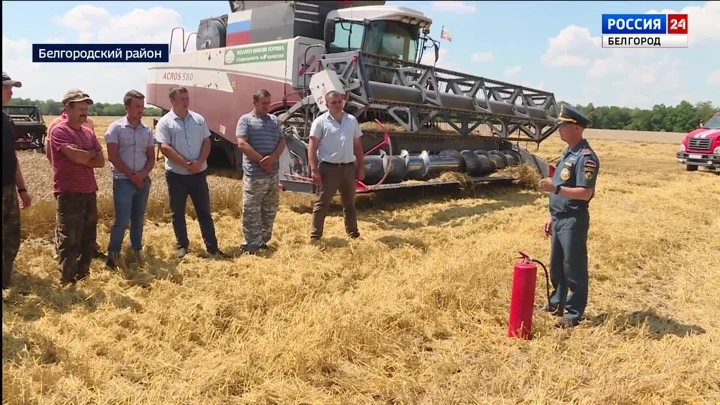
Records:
x=52, y=107
x=683, y=117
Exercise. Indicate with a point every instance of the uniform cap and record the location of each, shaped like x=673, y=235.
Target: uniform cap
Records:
x=7, y=81
x=572, y=115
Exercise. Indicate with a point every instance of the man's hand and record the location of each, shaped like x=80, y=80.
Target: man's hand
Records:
x=25, y=200
x=317, y=180
x=267, y=163
x=360, y=173
x=194, y=166
x=138, y=179
x=547, y=186
x=548, y=227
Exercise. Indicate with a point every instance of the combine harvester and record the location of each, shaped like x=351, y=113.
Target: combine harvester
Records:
x=418, y=121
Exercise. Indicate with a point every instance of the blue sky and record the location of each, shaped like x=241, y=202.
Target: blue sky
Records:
x=549, y=45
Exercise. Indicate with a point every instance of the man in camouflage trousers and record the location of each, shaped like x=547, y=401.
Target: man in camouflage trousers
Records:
x=261, y=141
x=74, y=154
x=13, y=184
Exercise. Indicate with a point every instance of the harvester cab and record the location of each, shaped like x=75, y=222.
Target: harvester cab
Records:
x=419, y=121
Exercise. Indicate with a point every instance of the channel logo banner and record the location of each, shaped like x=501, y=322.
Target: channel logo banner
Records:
x=100, y=53
x=645, y=30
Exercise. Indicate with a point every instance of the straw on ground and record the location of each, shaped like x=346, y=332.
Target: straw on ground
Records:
x=413, y=312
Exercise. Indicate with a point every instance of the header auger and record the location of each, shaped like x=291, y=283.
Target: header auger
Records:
x=418, y=121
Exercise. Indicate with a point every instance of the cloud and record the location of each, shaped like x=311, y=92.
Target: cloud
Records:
x=453, y=6
x=103, y=81
x=428, y=58
x=482, y=57
x=513, y=71
x=703, y=26
x=634, y=76
x=572, y=47
x=713, y=78
x=84, y=18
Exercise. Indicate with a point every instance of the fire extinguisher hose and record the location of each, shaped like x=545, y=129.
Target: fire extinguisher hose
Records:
x=547, y=279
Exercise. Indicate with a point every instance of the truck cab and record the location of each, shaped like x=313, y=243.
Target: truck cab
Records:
x=701, y=147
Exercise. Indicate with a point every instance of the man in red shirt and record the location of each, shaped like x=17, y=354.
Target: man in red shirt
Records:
x=87, y=123
x=74, y=154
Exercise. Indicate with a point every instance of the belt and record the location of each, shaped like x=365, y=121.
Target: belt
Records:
x=337, y=164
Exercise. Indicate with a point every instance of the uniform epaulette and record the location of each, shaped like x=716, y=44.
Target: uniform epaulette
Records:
x=586, y=152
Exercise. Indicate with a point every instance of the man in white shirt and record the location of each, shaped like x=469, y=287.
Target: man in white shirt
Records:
x=336, y=160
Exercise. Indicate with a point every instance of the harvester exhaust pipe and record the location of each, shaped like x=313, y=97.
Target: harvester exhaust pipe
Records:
x=523, y=296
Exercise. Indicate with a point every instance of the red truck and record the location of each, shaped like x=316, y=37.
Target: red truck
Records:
x=701, y=147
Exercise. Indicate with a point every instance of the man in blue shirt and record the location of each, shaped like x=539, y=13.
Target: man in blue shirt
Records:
x=184, y=139
x=131, y=153
x=261, y=141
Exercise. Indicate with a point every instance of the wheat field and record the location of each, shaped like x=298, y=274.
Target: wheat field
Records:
x=414, y=312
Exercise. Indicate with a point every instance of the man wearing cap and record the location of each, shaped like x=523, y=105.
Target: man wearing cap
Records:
x=74, y=154
x=571, y=189
x=184, y=139
x=13, y=184
x=89, y=124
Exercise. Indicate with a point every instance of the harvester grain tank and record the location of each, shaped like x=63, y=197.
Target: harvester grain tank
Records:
x=419, y=121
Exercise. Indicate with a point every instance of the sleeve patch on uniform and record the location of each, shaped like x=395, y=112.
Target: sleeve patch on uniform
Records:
x=590, y=163
x=589, y=174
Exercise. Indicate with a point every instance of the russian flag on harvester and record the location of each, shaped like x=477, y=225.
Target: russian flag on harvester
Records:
x=444, y=34
x=238, y=28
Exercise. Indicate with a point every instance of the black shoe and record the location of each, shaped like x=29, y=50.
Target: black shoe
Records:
x=354, y=235
x=264, y=246
x=315, y=238
x=564, y=323
x=111, y=263
x=218, y=253
x=552, y=310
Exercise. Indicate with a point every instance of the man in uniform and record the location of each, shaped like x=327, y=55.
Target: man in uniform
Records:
x=13, y=184
x=261, y=141
x=571, y=189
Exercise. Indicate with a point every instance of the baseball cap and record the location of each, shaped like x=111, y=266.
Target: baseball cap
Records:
x=7, y=81
x=76, y=95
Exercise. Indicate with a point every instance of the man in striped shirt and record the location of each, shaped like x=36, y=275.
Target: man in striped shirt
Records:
x=87, y=123
x=261, y=141
x=74, y=154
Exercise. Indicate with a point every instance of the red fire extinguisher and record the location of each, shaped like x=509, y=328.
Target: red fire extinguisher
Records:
x=523, y=296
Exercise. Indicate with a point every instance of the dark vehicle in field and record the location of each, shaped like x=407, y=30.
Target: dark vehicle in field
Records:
x=30, y=127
